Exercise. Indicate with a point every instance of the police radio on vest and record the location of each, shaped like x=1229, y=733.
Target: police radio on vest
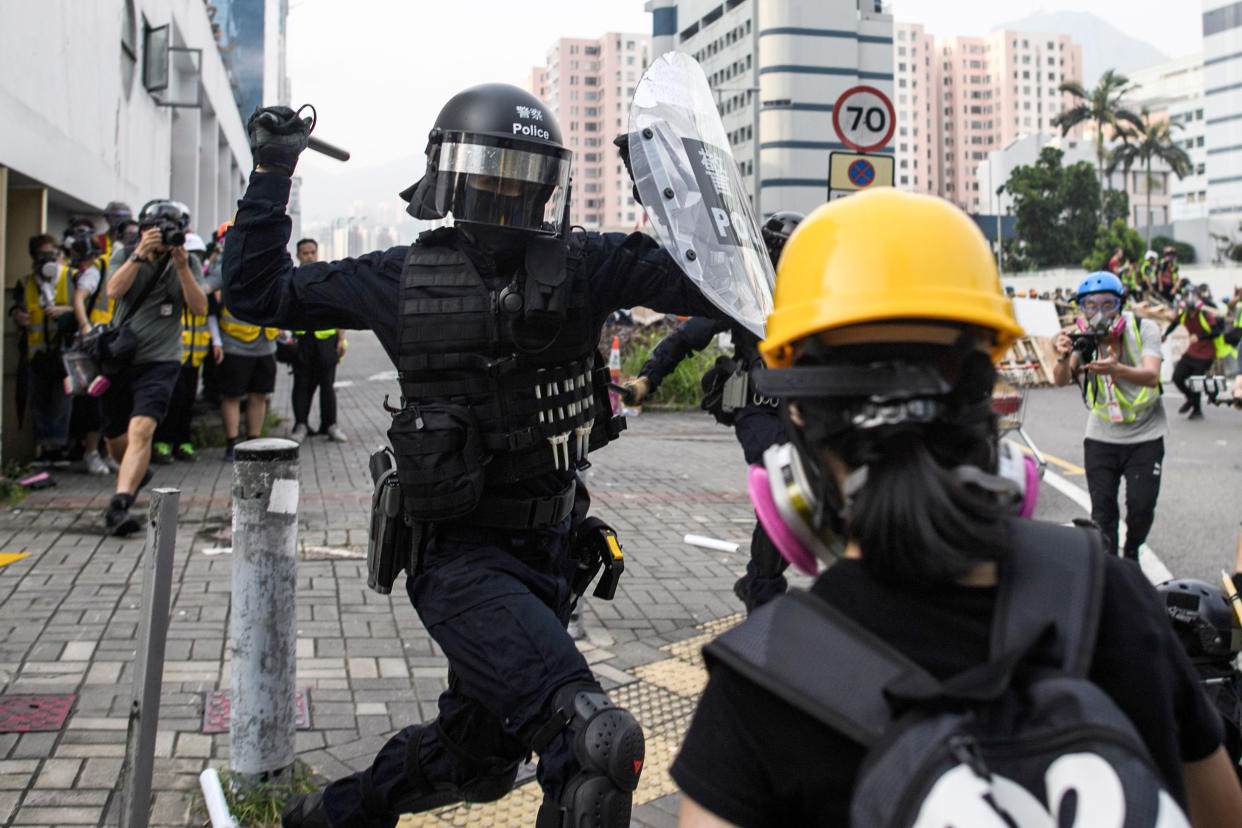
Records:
x=530, y=130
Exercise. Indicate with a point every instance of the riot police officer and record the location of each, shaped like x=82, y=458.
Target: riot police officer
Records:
x=729, y=396
x=493, y=324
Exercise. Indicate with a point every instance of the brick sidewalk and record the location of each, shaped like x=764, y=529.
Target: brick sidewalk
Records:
x=70, y=610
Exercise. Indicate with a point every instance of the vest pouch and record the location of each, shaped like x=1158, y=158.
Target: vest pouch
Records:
x=439, y=460
x=713, y=385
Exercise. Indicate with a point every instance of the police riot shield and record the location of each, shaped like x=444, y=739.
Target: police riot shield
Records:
x=692, y=190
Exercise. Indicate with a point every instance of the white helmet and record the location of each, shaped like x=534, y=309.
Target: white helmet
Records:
x=1151, y=254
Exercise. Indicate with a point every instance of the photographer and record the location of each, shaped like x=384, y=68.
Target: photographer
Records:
x=152, y=288
x=1118, y=357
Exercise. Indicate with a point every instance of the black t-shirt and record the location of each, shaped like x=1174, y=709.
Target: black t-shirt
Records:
x=753, y=760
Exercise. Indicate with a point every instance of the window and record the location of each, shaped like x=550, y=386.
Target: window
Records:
x=1199, y=169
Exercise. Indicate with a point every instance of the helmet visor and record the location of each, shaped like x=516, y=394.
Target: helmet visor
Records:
x=502, y=182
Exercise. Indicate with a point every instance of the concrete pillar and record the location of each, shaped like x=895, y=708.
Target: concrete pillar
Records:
x=263, y=618
x=183, y=181
x=226, y=203
x=207, y=214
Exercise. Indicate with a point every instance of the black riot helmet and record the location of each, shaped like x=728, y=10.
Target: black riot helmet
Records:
x=776, y=231
x=495, y=159
x=171, y=217
x=1202, y=617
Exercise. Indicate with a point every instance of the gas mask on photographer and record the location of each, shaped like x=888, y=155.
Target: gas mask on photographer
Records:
x=78, y=241
x=1100, y=297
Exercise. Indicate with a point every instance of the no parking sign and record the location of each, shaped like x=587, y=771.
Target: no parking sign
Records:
x=849, y=172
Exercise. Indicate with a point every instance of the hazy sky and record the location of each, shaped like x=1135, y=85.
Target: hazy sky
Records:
x=379, y=70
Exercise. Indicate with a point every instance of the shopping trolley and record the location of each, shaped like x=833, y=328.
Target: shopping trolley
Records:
x=1009, y=405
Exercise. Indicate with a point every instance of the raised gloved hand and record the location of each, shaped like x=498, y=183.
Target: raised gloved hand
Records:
x=278, y=135
x=622, y=143
x=639, y=388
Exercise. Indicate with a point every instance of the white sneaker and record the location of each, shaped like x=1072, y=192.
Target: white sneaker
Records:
x=110, y=464
x=299, y=433
x=95, y=465
x=336, y=435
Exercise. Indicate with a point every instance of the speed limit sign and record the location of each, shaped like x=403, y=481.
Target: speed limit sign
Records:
x=864, y=119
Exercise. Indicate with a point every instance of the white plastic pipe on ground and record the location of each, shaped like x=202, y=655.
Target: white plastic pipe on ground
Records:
x=213, y=793
x=711, y=543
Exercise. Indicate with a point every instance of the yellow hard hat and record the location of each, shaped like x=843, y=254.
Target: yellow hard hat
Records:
x=885, y=255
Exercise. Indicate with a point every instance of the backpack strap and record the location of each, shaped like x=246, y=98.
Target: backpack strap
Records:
x=1053, y=577
x=806, y=652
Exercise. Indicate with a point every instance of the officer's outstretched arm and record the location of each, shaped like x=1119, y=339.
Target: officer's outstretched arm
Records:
x=694, y=334
x=629, y=271
x=262, y=286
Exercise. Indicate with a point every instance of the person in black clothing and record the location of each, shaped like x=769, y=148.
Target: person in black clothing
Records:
x=314, y=368
x=755, y=420
x=886, y=391
x=494, y=325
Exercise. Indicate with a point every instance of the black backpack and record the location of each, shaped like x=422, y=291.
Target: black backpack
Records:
x=1023, y=740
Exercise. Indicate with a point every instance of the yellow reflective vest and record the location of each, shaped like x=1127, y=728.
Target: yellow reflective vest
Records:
x=40, y=328
x=243, y=331
x=195, y=338
x=1145, y=398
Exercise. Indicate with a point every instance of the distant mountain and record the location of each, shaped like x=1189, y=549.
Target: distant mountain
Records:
x=1104, y=46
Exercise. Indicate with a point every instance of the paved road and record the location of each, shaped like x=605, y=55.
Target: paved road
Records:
x=69, y=609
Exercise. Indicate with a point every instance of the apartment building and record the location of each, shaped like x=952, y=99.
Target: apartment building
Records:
x=964, y=97
x=588, y=84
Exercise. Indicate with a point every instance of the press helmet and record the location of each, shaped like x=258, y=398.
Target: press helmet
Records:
x=495, y=158
x=1202, y=617
x=776, y=231
x=1101, y=281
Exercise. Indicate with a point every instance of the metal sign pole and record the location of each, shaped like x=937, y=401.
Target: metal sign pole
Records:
x=144, y=711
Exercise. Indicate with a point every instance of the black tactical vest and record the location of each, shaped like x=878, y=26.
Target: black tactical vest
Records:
x=492, y=395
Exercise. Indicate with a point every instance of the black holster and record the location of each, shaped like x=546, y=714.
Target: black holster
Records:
x=395, y=542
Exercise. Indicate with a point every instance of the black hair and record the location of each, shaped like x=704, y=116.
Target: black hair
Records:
x=918, y=524
x=306, y=241
x=38, y=241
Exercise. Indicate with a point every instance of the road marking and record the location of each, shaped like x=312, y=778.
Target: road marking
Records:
x=9, y=557
x=342, y=383
x=1056, y=461
x=382, y=376
x=1149, y=561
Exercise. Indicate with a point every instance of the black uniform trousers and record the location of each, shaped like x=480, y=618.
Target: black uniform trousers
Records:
x=497, y=604
x=757, y=427
x=174, y=429
x=1185, y=368
x=315, y=368
x=1140, y=464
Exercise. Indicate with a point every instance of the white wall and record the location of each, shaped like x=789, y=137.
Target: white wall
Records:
x=70, y=123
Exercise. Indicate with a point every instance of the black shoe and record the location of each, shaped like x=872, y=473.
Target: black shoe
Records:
x=1186, y=406
x=1197, y=414
x=120, y=522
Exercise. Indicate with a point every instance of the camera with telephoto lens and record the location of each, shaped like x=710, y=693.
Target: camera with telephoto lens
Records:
x=1085, y=345
x=171, y=217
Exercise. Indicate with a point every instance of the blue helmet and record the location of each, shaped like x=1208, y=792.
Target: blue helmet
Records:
x=1101, y=281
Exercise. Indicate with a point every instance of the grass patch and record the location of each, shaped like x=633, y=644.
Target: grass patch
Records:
x=261, y=805
x=10, y=491
x=681, y=388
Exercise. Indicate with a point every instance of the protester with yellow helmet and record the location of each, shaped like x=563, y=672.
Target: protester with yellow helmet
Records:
x=888, y=315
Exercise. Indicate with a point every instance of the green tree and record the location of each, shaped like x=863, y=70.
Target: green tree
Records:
x=1055, y=208
x=1102, y=105
x=1150, y=141
x=1117, y=234
x=1116, y=206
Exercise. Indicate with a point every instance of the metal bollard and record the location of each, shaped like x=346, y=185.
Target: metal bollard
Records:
x=144, y=711
x=263, y=620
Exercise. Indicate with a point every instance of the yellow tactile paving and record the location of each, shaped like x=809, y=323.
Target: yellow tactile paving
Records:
x=673, y=674
x=662, y=700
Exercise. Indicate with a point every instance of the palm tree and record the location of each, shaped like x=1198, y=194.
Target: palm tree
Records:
x=1102, y=105
x=1150, y=141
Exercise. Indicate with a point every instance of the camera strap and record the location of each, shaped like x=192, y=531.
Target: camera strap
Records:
x=130, y=310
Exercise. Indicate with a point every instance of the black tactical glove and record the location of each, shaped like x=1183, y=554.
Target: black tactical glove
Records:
x=622, y=143
x=277, y=136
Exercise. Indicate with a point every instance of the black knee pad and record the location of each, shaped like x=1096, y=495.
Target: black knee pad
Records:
x=608, y=743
